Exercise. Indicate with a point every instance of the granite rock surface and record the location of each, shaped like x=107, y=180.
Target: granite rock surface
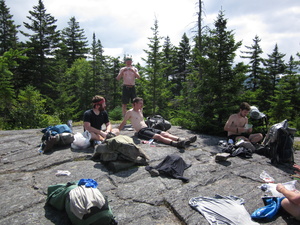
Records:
x=134, y=195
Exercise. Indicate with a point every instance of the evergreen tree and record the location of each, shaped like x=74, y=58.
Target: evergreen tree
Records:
x=29, y=111
x=76, y=90
x=286, y=102
x=274, y=69
x=159, y=94
x=222, y=83
x=8, y=31
x=256, y=61
x=183, y=62
x=98, y=63
x=43, y=40
x=75, y=41
x=7, y=91
x=169, y=61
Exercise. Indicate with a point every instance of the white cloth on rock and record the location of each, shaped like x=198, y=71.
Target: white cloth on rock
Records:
x=83, y=198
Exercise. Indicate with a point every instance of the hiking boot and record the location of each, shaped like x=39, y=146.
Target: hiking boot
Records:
x=188, y=141
x=181, y=144
x=192, y=139
x=154, y=173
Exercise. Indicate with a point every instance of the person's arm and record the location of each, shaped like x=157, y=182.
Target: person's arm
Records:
x=87, y=126
x=108, y=127
x=136, y=73
x=120, y=75
x=293, y=196
x=126, y=117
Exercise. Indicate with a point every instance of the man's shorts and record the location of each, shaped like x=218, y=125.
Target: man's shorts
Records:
x=148, y=133
x=233, y=137
x=128, y=94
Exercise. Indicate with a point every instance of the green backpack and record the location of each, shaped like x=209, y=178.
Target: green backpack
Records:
x=58, y=197
x=57, y=194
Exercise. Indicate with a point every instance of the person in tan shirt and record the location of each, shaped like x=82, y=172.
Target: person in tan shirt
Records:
x=129, y=73
x=236, y=126
x=136, y=117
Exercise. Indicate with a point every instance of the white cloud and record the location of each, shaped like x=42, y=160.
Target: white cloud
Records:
x=125, y=26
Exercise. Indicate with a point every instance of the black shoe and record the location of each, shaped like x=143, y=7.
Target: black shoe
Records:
x=181, y=144
x=110, y=135
x=192, y=139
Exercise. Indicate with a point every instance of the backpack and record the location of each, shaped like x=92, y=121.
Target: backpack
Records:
x=58, y=197
x=158, y=122
x=279, y=143
x=59, y=135
x=121, y=147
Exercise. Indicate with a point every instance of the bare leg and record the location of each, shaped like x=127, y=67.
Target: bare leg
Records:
x=169, y=136
x=124, y=109
x=96, y=137
x=254, y=138
x=162, y=139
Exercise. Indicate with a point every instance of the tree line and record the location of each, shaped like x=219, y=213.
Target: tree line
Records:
x=52, y=76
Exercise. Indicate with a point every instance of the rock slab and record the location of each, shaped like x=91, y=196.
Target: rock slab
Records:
x=134, y=195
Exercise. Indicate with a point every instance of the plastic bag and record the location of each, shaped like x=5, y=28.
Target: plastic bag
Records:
x=266, y=177
x=81, y=140
x=272, y=188
x=269, y=211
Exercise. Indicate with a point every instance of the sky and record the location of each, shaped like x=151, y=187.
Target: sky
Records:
x=124, y=27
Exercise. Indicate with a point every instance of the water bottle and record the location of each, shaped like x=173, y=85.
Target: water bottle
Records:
x=69, y=124
x=151, y=141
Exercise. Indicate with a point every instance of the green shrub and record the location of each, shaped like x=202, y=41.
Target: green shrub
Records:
x=115, y=114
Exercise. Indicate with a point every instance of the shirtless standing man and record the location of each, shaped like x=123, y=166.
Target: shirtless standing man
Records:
x=129, y=74
x=135, y=115
x=236, y=126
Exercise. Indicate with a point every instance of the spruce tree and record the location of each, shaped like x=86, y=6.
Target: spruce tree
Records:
x=222, y=82
x=75, y=40
x=274, y=69
x=43, y=40
x=158, y=93
x=8, y=30
x=98, y=63
x=255, y=70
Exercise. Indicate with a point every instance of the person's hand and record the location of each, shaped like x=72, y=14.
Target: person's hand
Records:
x=279, y=187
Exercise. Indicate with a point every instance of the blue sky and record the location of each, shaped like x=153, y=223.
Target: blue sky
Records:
x=124, y=27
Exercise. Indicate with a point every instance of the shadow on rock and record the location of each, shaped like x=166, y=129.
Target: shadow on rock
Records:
x=55, y=216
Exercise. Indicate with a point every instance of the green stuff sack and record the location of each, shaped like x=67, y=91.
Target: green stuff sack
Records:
x=56, y=194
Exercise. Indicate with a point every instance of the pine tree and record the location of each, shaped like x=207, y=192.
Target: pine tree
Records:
x=222, y=82
x=183, y=61
x=75, y=41
x=169, y=61
x=158, y=93
x=256, y=61
x=8, y=31
x=98, y=63
x=274, y=69
x=43, y=40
